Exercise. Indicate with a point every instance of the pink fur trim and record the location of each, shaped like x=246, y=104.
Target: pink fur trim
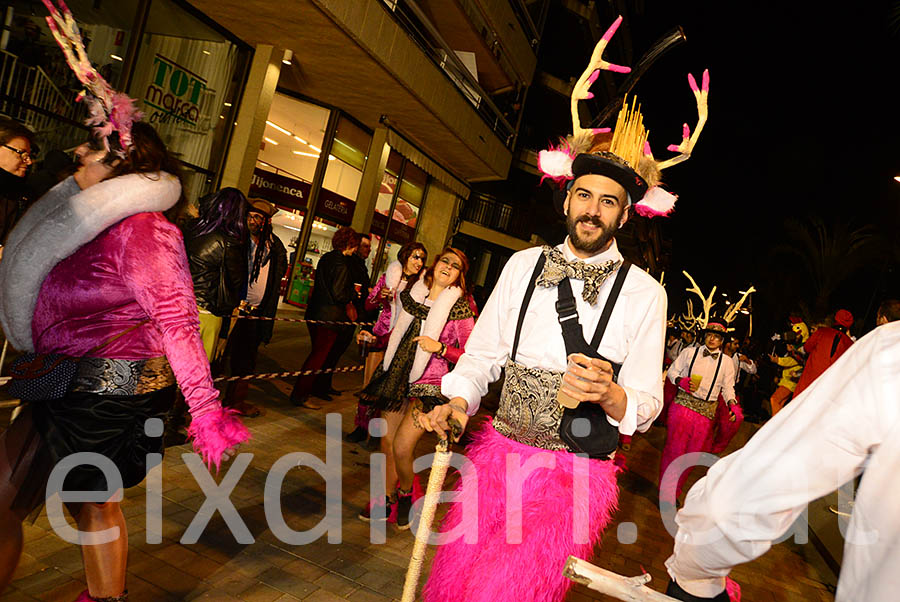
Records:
x=657, y=202
x=495, y=570
x=555, y=163
x=733, y=589
x=83, y=597
x=216, y=431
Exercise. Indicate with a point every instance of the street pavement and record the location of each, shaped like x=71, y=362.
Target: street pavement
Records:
x=267, y=569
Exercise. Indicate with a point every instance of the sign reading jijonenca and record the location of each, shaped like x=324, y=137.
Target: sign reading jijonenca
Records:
x=293, y=193
x=174, y=92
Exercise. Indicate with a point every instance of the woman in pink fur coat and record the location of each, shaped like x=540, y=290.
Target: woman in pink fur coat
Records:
x=96, y=272
x=435, y=319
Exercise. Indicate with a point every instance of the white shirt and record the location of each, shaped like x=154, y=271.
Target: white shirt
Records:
x=706, y=367
x=256, y=290
x=673, y=349
x=749, y=366
x=847, y=418
x=634, y=337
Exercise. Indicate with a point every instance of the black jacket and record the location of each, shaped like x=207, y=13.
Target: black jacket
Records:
x=360, y=275
x=14, y=200
x=269, y=304
x=332, y=289
x=218, y=266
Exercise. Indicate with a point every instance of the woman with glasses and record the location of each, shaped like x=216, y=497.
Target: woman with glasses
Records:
x=385, y=295
x=15, y=159
x=430, y=332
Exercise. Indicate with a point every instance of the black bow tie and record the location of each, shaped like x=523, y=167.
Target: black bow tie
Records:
x=557, y=267
x=712, y=354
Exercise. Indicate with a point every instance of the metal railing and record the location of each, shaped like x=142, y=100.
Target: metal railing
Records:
x=408, y=15
x=497, y=215
x=29, y=95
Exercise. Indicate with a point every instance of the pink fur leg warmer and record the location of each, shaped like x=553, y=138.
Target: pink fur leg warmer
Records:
x=214, y=432
x=726, y=428
x=687, y=431
x=521, y=561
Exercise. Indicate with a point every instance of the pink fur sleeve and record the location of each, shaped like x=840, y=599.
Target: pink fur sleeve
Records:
x=463, y=329
x=372, y=301
x=154, y=267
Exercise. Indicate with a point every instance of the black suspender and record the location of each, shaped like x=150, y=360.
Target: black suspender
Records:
x=538, y=268
x=715, y=376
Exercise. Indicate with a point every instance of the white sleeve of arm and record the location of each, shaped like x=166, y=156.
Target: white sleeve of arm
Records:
x=639, y=376
x=750, y=499
x=728, y=383
x=486, y=349
x=678, y=366
x=749, y=366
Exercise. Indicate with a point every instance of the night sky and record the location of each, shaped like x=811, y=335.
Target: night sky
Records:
x=802, y=124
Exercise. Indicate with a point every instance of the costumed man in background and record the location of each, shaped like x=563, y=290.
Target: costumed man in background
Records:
x=545, y=307
x=701, y=374
x=785, y=357
x=847, y=420
x=824, y=347
x=266, y=266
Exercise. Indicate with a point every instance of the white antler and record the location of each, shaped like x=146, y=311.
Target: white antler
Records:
x=581, y=91
x=707, y=301
x=688, y=141
x=731, y=312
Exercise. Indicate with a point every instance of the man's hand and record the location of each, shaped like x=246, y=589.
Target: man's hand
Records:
x=593, y=383
x=437, y=420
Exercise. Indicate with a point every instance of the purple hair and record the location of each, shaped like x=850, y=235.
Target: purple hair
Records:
x=225, y=210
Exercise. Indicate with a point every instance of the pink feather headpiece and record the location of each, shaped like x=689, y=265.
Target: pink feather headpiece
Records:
x=629, y=141
x=109, y=111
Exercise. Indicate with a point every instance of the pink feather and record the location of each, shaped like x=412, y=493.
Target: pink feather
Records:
x=657, y=202
x=733, y=589
x=215, y=432
x=493, y=569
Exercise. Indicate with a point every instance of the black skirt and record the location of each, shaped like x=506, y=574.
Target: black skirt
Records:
x=48, y=431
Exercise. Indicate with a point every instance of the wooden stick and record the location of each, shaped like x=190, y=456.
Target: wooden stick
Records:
x=439, y=467
x=630, y=589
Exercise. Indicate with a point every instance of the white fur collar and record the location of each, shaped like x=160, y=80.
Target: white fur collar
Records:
x=431, y=327
x=57, y=225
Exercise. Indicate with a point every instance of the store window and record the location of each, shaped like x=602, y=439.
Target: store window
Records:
x=186, y=82
x=401, y=196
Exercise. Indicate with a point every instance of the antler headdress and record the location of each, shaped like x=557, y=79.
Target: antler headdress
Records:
x=110, y=111
x=628, y=159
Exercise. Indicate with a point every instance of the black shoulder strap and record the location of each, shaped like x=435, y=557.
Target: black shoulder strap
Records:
x=538, y=268
x=715, y=376
x=834, y=344
x=610, y=304
x=694, y=359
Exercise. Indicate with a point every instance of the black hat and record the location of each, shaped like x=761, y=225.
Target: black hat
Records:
x=612, y=166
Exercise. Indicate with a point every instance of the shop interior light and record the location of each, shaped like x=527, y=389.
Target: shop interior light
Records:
x=269, y=140
x=278, y=127
x=263, y=163
x=331, y=157
x=207, y=52
x=290, y=227
x=302, y=154
x=115, y=57
x=221, y=117
x=315, y=148
x=227, y=104
x=300, y=140
x=897, y=178
x=288, y=55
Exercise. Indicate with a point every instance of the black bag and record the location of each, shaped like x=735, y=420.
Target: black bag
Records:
x=48, y=376
x=585, y=428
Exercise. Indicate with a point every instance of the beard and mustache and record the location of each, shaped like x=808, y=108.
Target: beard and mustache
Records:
x=588, y=245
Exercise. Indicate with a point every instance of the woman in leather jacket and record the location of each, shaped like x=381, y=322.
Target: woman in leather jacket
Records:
x=216, y=250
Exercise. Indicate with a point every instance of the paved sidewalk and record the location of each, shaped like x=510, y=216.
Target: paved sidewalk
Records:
x=218, y=568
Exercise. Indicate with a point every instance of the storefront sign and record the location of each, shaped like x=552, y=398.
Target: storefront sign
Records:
x=400, y=232
x=174, y=93
x=293, y=193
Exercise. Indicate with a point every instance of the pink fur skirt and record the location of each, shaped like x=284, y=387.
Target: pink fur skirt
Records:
x=523, y=541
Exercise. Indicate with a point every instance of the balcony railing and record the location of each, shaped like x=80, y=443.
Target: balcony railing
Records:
x=413, y=20
x=497, y=215
x=28, y=94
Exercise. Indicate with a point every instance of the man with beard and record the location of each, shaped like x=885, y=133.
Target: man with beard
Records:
x=544, y=296
x=266, y=265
